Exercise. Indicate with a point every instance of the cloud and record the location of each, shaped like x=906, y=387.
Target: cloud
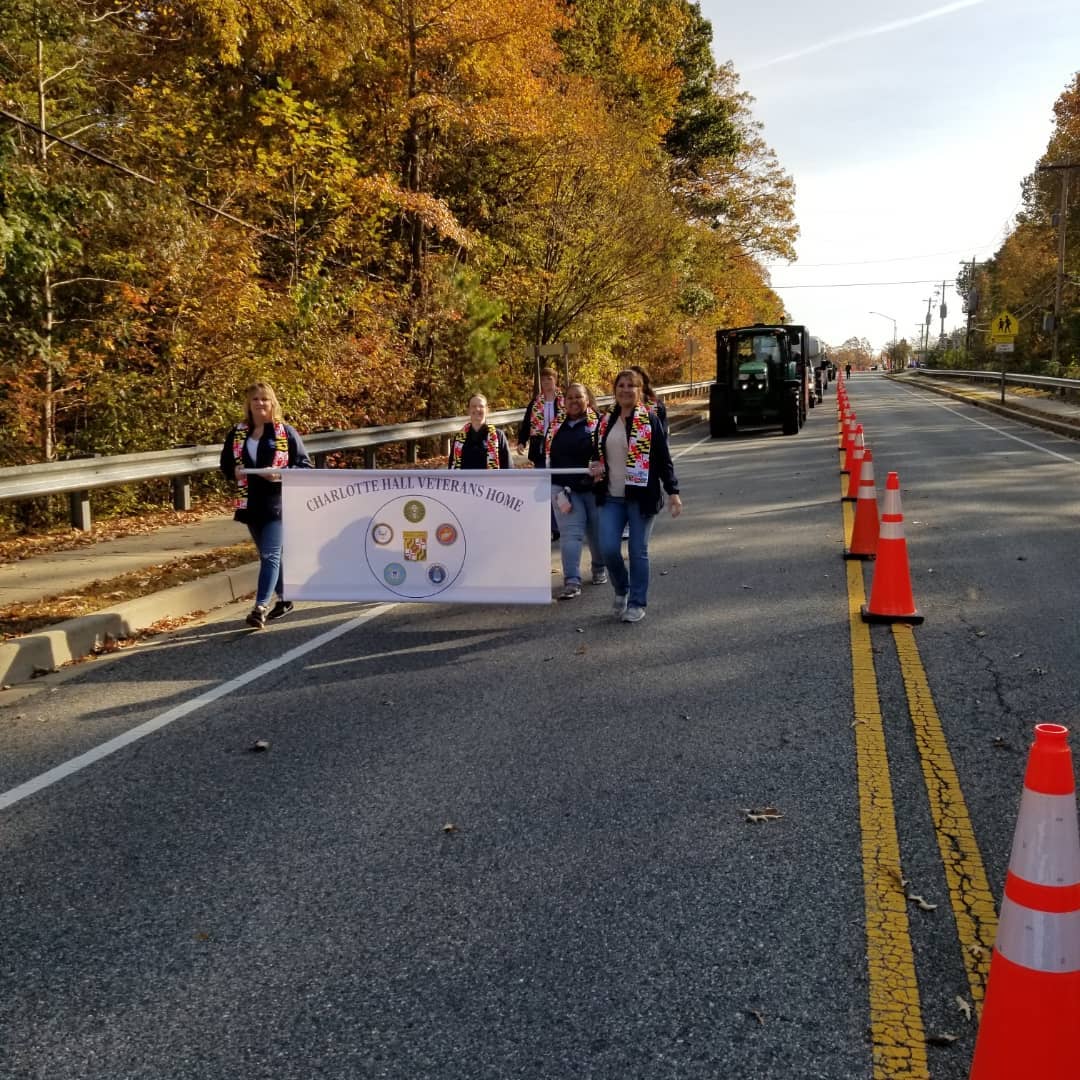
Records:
x=868, y=31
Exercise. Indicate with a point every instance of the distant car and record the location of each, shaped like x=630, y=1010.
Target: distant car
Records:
x=873, y=367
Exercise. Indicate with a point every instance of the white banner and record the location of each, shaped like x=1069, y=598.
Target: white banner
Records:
x=442, y=536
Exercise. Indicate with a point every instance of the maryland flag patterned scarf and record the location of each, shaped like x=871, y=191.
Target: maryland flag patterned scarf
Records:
x=591, y=420
x=491, y=446
x=638, y=446
x=281, y=457
x=536, y=414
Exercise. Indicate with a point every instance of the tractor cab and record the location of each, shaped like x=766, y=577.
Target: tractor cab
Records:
x=757, y=380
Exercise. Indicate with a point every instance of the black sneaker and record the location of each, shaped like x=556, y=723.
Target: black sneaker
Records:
x=280, y=610
x=256, y=617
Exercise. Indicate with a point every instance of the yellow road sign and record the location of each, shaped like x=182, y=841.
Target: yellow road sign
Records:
x=1003, y=327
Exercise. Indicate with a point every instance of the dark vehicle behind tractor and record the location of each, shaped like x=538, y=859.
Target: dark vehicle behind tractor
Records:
x=762, y=379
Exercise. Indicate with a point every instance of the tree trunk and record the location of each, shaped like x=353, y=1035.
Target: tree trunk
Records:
x=48, y=389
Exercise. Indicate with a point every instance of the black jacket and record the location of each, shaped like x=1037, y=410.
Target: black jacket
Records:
x=535, y=443
x=474, y=452
x=661, y=467
x=263, y=496
x=572, y=448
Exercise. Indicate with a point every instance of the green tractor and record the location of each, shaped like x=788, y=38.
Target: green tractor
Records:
x=762, y=379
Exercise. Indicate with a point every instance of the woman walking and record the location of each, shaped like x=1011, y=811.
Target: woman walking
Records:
x=479, y=445
x=568, y=445
x=263, y=441
x=632, y=462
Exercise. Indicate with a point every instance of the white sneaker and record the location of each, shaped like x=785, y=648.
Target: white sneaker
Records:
x=633, y=614
x=618, y=608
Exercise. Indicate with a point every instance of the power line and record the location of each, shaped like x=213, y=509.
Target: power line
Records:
x=858, y=284
x=876, y=262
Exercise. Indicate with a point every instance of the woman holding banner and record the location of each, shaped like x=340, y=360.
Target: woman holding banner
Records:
x=568, y=445
x=479, y=445
x=263, y=441
x=631, y=463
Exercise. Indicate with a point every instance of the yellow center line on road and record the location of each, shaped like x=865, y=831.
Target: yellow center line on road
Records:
x=896, y=1028
x=969, y=889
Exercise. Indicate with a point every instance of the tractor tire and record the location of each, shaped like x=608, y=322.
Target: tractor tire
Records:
x=790, y=414
x=721, y=422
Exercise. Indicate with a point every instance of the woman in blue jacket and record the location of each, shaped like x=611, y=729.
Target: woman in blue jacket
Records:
x=569, y=445
x=263, y=441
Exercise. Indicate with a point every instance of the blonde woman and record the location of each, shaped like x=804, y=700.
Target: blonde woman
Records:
x=262, y=440
x=479, y=445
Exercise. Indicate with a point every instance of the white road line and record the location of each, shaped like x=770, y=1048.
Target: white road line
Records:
x=990, y=427
x=692, y=446
x=76, y=764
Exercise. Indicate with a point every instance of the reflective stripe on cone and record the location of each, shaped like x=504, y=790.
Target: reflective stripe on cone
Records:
x=1027, y=1028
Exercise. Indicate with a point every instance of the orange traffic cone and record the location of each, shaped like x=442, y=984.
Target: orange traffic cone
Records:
x=864, y=530
x=856, y=440
x=1028, y=1024
x=846, y=417
x=858, y=455
x=890, y=591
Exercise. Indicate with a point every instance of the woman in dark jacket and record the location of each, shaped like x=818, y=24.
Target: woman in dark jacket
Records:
x=479, y=445
x=263, y=441
x=632, y=463
x=569, y=445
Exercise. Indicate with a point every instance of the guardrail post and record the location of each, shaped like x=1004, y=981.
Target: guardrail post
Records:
x=319, y=460
x=79, y=503
x=412, y=451
x=181, y=492
x=369, y=457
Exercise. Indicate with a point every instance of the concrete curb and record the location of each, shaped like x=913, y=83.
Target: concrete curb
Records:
x=47, y=650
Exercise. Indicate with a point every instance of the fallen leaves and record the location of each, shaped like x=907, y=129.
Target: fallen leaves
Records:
x=25, y=618
x=946, y=1038
x=921, y=902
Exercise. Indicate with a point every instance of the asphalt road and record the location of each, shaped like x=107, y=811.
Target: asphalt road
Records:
x=512, y=842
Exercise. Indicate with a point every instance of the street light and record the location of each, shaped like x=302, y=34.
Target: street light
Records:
x=892, y=358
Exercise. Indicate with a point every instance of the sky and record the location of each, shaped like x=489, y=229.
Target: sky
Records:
x=908, y=127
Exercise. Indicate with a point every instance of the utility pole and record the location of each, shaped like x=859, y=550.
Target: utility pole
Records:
x=972, y=308
x=1059, y=280
x=943, y=311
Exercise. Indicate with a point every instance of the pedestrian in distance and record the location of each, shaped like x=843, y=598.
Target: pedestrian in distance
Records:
x=847, y=371
x=539, y=416
x=262, y=440
x=479, y=445
x=631, y=464
x=569, y=445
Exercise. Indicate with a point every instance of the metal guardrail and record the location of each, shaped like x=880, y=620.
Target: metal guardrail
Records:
x=1015, y=378
x=79, y=476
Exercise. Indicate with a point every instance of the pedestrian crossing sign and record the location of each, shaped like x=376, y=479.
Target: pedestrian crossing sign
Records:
x=1003, y=328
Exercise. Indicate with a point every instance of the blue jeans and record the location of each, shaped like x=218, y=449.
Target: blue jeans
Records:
x=267, y=537
x=583, y=522
x=614, y=514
